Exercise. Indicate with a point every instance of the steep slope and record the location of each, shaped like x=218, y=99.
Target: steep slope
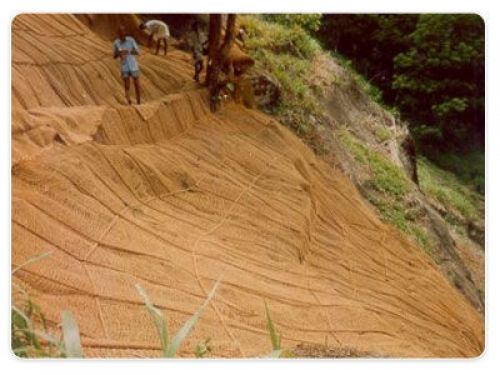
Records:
x=362, y=127
x=172, y=197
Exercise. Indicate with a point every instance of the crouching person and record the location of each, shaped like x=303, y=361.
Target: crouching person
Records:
x=158, y=29
x=125, y=48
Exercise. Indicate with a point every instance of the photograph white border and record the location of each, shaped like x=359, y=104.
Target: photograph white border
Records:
x=482, y=365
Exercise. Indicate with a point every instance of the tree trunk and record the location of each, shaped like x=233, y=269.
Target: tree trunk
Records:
x=218, y=55
x=229, y=36
x=214, y=36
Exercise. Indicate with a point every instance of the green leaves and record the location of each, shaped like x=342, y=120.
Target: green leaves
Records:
x=273, y=334
x=158, y=320
x=28, y=341
x=431, y=66
x=32, y=260
x=439, y=78
x=188, y=326
x=170, y=348
x=309, y=22
x=202, y=348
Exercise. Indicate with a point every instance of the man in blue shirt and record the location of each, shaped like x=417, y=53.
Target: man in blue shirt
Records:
x=126, y=49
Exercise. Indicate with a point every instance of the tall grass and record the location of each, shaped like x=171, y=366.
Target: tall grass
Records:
x=170, y=347
x=273, y=334
x=286, y=52
x=449, y=190
x=30, y=336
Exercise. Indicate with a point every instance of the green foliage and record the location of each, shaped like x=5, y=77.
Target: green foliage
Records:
x=202, y=348
x=371, y=41
x=277, y=38
x=284, y=52
x=170, y=347
x=440, y=78
x=273, y=334
x=359, y=80
x=386, y=187
x=309, y=22
x=399, y=215
x=448, y=190
x=422, y=238
x=383, y=134
x=30, y=336
x=24, y=339
x=29, y=341
x=386, y=177
x=287, y=52
x=467, y=167
x=288, y=70
x=158, y=320
x=36, y=258
x=430, y=66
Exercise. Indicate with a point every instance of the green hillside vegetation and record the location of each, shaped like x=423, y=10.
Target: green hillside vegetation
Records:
x=386, y=188
x=430, y=66
x=286, y=51
x=461, y=203
x=285, y=46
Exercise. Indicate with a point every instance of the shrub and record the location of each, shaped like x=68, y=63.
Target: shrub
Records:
x=383, y=134
x=171, y=346
x=386, y=177
x=292, y=39
x=446, y=188
x=30, y=336
x=309, y=22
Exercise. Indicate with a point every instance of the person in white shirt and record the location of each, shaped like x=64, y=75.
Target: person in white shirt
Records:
x=125, y=48
x=158, y=29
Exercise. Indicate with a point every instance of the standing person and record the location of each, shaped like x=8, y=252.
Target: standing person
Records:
x=160, y=30
x=242, y=35
x=197, y=40
x=126, y=49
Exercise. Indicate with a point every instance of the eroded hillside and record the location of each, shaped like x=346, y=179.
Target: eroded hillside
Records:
x=172, y=197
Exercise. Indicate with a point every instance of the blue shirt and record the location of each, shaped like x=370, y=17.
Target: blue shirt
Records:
x=129, y=62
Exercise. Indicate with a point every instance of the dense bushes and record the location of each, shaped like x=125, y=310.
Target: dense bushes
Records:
x=309, y=22
x=430, y=66
x=439, y=80
x=286, y=50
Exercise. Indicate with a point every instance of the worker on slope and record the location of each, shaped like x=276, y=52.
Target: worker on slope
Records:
x=125, y=48
x=197, y=40
x=158, y=29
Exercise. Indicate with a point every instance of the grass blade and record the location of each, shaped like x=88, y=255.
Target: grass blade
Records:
x=186, y=328
x=32, y=260
x=23, y=323
x=158, y=319
x=71, y=336
x=275, y=336
x=276, y=353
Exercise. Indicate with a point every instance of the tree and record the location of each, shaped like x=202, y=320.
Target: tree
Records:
x=218, y=53
x=439, y=80
x=430, y=66
x=371, y=41
x=214, y=40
